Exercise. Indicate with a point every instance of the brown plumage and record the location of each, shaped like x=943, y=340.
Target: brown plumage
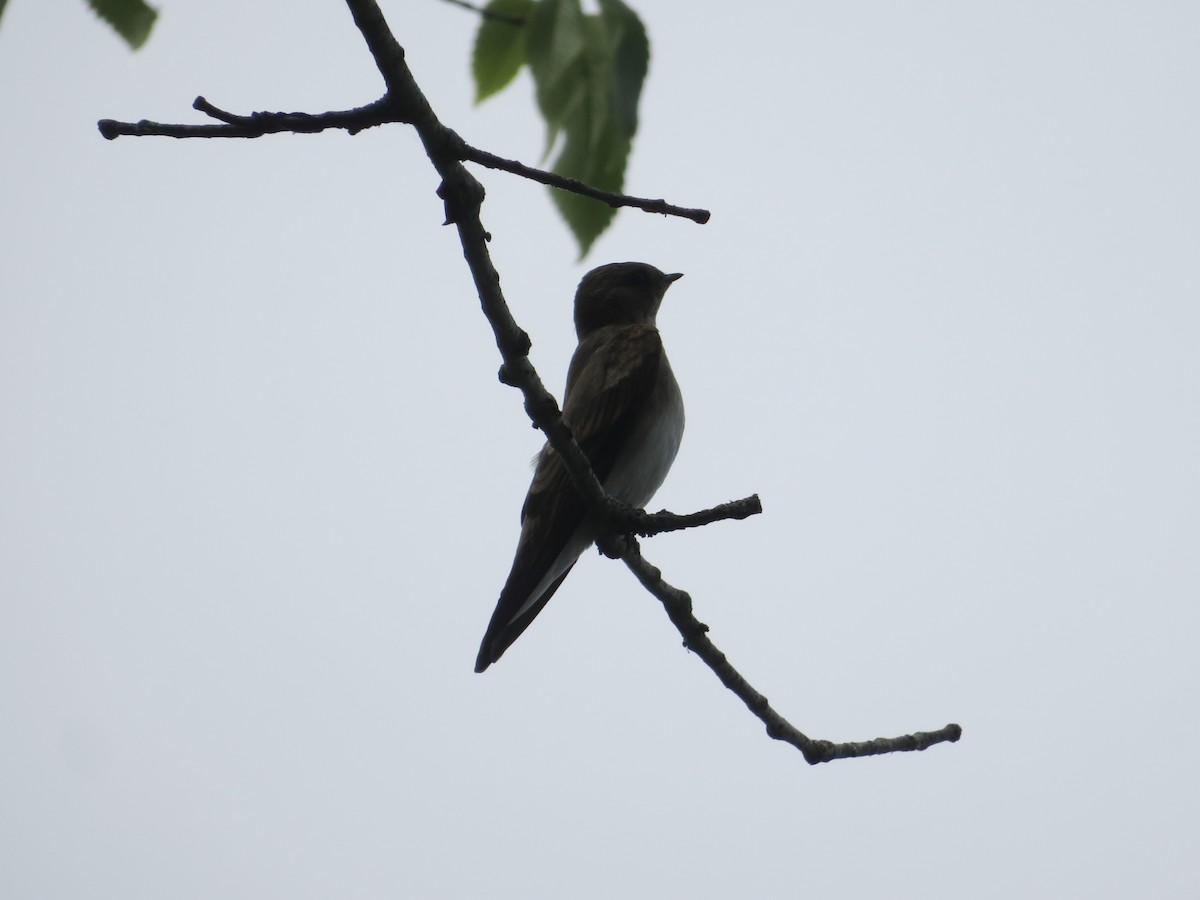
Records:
x=626, y=413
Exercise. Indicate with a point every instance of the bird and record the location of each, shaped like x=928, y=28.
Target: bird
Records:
x=624, y=407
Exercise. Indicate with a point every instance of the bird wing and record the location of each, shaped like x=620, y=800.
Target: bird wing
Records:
x=610, y=380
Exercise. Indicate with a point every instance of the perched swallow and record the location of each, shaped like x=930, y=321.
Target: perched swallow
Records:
x=625, y=410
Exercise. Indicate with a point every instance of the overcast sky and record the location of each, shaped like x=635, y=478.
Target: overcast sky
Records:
x=259, y=484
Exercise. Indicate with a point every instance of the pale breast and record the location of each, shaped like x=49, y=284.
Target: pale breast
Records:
x=642, y=465
x=638, y=471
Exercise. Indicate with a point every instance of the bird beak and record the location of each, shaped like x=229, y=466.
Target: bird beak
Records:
x=675, y=277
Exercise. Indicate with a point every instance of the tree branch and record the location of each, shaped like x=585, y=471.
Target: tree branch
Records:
x=649, y=524
x=256, y=124
x=381, y=112
x=678, y=605
x=492, y=161
x=463, y=197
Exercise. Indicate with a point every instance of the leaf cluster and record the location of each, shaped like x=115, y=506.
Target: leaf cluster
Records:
x=588, y=70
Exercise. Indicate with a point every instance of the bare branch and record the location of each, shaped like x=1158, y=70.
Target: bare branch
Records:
x=678, y=605
x=380, y=112
x=256, y=124
x=649, y=524
x=492, y=161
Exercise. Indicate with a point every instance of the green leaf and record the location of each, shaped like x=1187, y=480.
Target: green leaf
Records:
x=589, y=71
x=131, y=19
x=587, y=218
x=556, y=47
x=631, y=61
x=499, y=48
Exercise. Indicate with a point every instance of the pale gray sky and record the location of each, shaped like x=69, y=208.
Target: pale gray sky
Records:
x=259, y=484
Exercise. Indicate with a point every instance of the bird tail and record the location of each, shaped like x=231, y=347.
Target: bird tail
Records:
x=506, y=627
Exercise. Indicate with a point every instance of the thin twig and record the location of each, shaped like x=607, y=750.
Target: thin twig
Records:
x=492, y=161
x=649, y=524
x=256, y=124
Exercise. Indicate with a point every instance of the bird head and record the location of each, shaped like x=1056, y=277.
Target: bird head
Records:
x=625, y=293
